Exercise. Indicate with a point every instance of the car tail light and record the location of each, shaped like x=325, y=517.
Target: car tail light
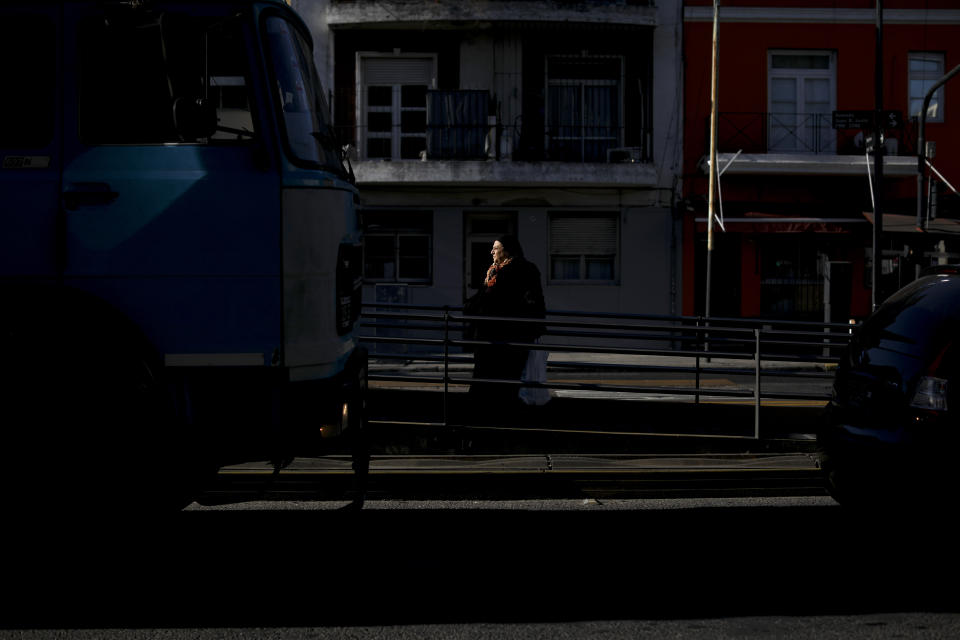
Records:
x=931, y=394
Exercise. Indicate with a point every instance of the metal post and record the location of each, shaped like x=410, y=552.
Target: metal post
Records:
x=756, y=385
x=921, y=147
x=697, y=374
x=446, y=359
x=876, y=293
x=712, y=182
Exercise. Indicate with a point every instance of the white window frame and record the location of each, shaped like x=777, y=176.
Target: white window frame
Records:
x=396, y=109
x=580, y=82
x=928, y=78
x=583, y=256
x=822, y=132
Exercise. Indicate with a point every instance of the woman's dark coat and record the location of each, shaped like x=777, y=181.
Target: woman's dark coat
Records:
x=516, y=293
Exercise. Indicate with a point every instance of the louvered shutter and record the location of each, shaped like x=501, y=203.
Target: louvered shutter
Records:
x=583, y=236
x=393, y=71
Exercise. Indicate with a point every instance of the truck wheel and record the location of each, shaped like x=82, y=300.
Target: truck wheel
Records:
x=139, y=454
x=88, y=425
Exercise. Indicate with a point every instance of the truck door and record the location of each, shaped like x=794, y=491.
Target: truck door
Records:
x=29, y=141
x=171, y=207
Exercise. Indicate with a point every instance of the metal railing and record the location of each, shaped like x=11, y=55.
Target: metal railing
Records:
x=762, y=132
x=607, y=344
x=497, y=141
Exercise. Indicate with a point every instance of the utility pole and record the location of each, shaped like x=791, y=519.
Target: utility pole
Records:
x=711, y=207
x=876, y=292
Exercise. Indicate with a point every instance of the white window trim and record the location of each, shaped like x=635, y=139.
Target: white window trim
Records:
x=830, y=74
x=939, y=94
x=618, y=83
x=361, y=109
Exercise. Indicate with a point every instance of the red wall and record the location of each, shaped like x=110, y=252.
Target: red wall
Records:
x=742, y=77
x=742, y=84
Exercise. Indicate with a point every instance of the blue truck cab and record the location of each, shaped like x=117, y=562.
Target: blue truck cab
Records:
x=180, y=249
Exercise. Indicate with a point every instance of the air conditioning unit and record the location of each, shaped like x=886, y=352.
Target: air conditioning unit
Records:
x=623, y=154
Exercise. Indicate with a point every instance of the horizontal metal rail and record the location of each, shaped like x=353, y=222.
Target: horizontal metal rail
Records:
x=617, y=341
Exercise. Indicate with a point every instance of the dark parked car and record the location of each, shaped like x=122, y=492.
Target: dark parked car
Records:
x=892, y=425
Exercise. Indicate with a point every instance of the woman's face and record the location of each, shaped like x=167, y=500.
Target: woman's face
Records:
x=498, y=253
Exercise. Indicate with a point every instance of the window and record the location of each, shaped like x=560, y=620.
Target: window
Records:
x=28, y=59
x=398, y=246
x=583, y=107
x=791, y=277
x=394, y=105
x=583, y=247
x=802, y=95
x=129, y=98
x=306, y=119
x=924, y=70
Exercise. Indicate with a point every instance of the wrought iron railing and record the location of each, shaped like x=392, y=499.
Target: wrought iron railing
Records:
x=494, y=141
x=811, y=133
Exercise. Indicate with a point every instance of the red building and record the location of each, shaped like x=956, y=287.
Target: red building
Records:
x=795, y=191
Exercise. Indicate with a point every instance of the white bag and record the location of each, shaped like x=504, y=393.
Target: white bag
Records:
x=535, y=371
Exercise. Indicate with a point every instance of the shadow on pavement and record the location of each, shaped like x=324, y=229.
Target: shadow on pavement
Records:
x=406, y=565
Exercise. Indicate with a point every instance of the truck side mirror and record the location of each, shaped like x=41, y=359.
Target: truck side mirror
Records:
x=194, y=118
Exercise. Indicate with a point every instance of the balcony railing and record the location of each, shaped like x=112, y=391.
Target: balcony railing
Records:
x=801, y=133
x=496, y=141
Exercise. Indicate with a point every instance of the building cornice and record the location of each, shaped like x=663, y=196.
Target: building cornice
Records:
x=788, y=15
x=486, y=172
x=445, y=13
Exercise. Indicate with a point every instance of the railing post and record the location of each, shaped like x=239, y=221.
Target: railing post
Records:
x=446, y=359
x=696, y=397
x=756, y=384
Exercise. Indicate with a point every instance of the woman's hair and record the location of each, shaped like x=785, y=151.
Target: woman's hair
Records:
x=512, y=246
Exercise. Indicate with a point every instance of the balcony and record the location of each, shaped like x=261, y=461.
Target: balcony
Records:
x=465, y=155
x=804, y=143
x=456, y=141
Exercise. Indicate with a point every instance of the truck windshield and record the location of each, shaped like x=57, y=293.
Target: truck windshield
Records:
x=306, y=121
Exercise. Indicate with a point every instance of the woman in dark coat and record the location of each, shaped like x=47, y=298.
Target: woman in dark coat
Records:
x=511, y=289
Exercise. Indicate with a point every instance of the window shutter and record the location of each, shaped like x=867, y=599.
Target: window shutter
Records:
x=392, y=71
x=583, y=235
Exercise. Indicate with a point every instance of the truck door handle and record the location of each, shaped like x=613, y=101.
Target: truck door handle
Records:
x=88, y=194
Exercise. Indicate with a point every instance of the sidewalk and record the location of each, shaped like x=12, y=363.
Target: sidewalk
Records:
x=512, y=477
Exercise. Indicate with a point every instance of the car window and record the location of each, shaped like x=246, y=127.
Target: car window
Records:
x=919, y=319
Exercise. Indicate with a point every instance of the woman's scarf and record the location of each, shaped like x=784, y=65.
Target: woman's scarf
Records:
x=491, y=278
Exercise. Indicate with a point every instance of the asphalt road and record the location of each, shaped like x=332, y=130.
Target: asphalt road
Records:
x=798, y=567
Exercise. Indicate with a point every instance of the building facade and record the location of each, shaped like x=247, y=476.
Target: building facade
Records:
x=795, y=192
x=553, y=120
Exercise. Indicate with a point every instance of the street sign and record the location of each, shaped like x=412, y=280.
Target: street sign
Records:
x=852, y=119
x=892, y=119
x=889, y=119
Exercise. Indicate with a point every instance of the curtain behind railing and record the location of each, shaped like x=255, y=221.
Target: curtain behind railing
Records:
x=457, y=124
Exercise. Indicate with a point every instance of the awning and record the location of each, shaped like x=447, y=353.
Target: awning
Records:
x=895, y=223
x=772, y=223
